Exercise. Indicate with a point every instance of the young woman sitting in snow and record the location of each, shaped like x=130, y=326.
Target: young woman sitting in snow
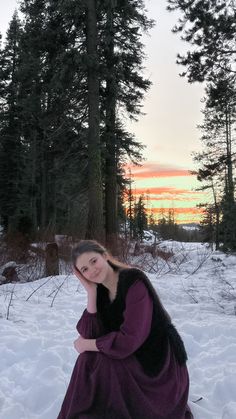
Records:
x=132, y=362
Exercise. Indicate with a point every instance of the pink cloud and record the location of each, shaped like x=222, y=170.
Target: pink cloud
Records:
x=149, y=170
x=169, y=192
x=191, y=210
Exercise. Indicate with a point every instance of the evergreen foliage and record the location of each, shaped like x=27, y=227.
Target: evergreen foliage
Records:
x=140, y=219
x=210, y=29
x=66, y=84
x=11, y=152
x=217, y=162
x=167, y=226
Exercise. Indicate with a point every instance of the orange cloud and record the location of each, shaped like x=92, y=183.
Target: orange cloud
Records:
x=176, y=198
x=149, y=170
x=162, y=190
x=191, y=210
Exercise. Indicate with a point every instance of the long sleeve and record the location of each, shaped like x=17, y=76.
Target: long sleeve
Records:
x=135, y=327
x=89, y=326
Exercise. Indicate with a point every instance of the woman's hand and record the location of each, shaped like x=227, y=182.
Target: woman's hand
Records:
x=91, y=289
x=82, y=345
x=79, y=345
x=89, y=286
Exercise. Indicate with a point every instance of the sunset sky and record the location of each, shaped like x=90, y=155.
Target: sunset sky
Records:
x=164, y=187
x=169, y=127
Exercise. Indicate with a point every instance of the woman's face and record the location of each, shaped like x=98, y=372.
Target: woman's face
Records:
x=93, y=266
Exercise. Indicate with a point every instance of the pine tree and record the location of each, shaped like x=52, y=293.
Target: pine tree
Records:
x=95, y=216
x=140, y=219
x=167, y=226
x=218, y=156
x=130, y=207
x=53, y=103
x=121, y=66
x=10, y=143
x=209, y=27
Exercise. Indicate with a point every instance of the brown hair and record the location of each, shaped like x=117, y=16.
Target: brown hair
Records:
x=85, y=246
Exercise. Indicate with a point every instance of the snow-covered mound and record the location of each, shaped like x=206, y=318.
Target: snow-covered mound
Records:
x=38, y=319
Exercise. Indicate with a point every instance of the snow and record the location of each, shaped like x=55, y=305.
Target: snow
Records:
x=38, y=319
x=190, y=227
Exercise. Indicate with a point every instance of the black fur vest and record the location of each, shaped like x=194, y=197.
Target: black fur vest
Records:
x=152, y=354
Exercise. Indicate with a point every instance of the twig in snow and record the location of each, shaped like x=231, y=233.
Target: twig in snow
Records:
x=198, y=400
x=10, y=302
x=40, y=286
x=215, y=301
x=189, y=293
x=57, y=291
x=199, y=265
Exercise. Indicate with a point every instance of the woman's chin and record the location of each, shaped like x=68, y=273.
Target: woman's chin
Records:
x=97, y=280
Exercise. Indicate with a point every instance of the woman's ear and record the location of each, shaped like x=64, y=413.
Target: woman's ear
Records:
x=77, y=272
x=105, y=255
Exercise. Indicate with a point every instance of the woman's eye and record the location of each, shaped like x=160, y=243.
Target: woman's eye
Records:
x=94, y=260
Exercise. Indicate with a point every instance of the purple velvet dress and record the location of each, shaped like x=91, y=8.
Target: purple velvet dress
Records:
x=111, y=383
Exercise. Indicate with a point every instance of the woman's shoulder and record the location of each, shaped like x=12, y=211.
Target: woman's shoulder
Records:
x=131, y=277
x=131, y=274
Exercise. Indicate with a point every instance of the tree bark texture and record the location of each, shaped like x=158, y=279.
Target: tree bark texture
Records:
x=111, y=163
x=95, y=215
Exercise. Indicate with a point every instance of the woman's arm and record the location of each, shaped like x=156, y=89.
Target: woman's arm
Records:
x=82, y=345
x=91, y=289
x=133, y=331
x=89, y=326
x=92, y=301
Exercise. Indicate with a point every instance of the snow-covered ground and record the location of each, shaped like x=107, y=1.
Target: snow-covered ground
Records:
x=38, y=319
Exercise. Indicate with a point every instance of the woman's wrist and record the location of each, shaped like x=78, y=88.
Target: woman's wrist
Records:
x=92, y=293
x=92, y=302
x=91, y=345
x=84, y=345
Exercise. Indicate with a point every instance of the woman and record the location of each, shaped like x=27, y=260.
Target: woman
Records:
x=132, y=362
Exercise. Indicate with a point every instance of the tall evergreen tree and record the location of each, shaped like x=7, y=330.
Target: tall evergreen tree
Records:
x=33, y=97
x=53, y=112
x=95, y=216
x=140, y=218
x=217, y=159
x=111, y=192
x=130, y=207
x=209, y=27
x=10, y=143
x=124, y=88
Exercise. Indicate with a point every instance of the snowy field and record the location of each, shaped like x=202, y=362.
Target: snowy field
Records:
x=38, y=319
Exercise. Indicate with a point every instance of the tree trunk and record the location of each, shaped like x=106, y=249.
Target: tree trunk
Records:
x=43, y=200
x=95, y=212
x=217, y=219
x=230, y=181
x=52, y=260
x=111, y=215
x=33, y=181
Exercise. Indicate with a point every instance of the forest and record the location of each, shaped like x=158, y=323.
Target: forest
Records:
x=71, y=75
